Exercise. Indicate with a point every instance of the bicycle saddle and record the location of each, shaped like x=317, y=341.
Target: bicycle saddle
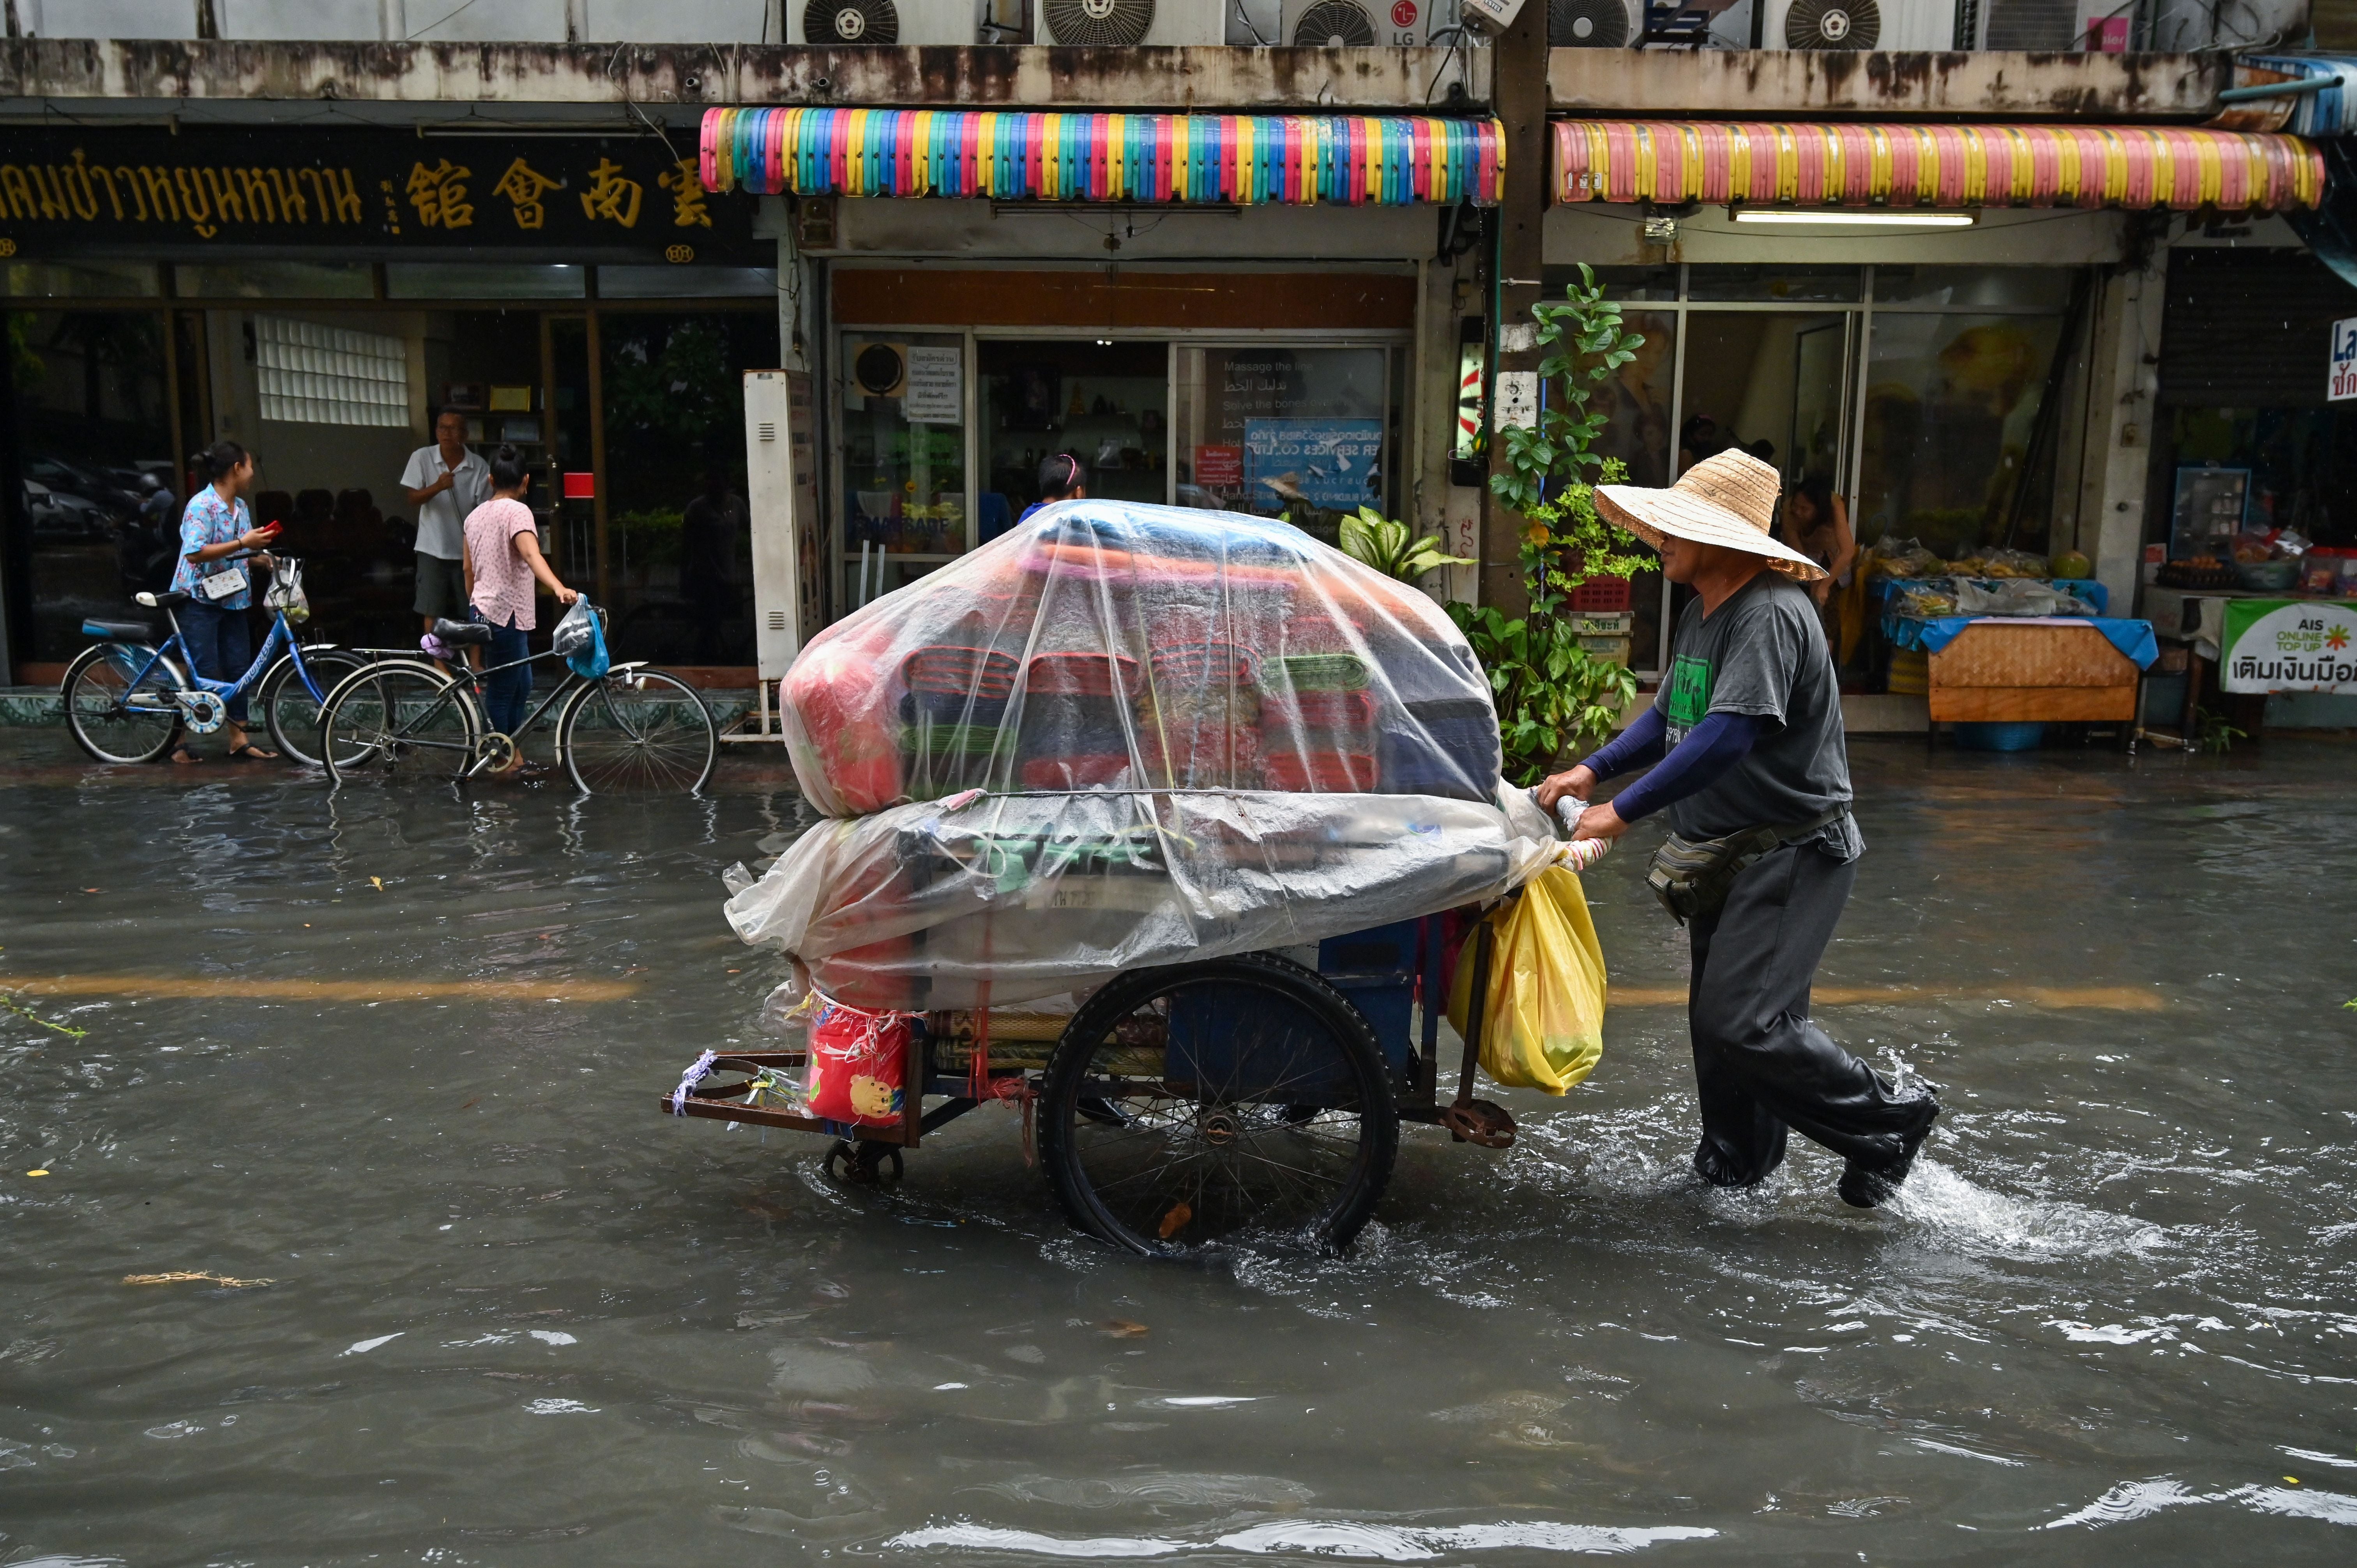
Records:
x=164, y=601
x=119, y=630
x=462, y=633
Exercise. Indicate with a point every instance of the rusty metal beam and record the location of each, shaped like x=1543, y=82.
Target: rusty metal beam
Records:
x=518, y=77
x=512, y=81
x=1812, y=84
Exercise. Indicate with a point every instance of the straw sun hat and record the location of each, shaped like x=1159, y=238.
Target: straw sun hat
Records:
x=1729, y=500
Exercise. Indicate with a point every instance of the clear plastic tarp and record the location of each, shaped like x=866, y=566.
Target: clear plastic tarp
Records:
x=1122, y=735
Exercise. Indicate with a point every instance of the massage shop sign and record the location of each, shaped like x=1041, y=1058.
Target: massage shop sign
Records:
x=149, y=191
x=2289, y=645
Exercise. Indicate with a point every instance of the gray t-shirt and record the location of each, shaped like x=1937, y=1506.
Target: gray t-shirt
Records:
x=442, y=521
x=1762, y=652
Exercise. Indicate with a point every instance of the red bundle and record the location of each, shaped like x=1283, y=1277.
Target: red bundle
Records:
x=1204, y=757
x=982, y=671
x=1081, y=674
x=1320, y=772
x=1083, y=771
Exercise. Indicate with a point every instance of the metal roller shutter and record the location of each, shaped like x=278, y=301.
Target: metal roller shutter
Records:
x=2249, y=328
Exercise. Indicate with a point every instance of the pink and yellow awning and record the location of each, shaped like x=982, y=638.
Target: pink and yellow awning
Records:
x=1240, y=159
x=1764, y=165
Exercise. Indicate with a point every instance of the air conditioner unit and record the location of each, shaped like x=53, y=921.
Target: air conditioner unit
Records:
x=1120, y=23
x=1887, y=26
x=1356, y=24
x=1596, y=24
x=781, y=495
x=832, y=24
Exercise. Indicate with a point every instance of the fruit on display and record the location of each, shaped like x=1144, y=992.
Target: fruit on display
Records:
x=2072, y=567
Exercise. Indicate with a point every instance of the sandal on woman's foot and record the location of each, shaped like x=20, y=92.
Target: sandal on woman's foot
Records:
x=183, y=757
x=250, y=752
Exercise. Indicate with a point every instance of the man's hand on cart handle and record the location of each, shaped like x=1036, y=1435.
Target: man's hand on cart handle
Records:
x=1599, y=823
x=1579, y=784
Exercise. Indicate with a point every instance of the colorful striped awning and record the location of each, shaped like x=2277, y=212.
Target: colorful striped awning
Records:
x=1934, y=165
x=1243, y=159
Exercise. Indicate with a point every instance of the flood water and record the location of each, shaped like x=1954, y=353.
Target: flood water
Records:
x=514, y=1315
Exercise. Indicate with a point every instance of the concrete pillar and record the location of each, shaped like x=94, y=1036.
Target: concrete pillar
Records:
x=2123, y=377
x=1519, y=94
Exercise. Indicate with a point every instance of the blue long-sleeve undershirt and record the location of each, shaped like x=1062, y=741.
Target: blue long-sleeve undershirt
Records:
x=1706, y=752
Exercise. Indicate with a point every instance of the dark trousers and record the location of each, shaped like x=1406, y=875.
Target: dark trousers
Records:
x=506, y=692
x=221, y=643
x=1761, y=1066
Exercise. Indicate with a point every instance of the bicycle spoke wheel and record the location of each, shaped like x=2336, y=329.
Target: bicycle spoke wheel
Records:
x=1206, y=1102
x=290, y=712
x=112, y=721
x=399, y=720
x=640, y=732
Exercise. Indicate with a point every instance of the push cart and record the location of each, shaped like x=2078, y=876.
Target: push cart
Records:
x=1186, y=1105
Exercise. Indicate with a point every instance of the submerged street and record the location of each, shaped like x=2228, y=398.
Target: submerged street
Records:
x=382, y=1064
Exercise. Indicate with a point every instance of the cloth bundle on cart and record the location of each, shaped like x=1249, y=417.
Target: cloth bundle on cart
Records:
x=1126, y=735
x=1117, y=647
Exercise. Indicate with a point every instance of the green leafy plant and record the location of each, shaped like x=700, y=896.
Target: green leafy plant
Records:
x=1552, y=695
x=2216, y=735
x=1392, y=548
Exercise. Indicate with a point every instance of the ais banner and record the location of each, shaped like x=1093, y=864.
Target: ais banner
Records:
x=2289, y=645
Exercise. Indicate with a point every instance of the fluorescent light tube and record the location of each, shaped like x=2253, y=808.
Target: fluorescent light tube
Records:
x=1852, y=218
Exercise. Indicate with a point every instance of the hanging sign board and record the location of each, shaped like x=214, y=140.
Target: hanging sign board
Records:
x=2344, y=362
x=936, y=386
x=1518, y=398
x=2289, y=645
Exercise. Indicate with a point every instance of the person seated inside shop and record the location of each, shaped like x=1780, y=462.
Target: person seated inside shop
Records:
x=1062, y=477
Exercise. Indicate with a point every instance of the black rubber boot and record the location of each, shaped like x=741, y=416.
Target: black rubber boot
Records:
x=1864, y=1187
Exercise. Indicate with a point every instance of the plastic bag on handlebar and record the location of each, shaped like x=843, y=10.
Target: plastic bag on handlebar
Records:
x=1543, y=1021
x=1111, y=646
x=286, y=594
x=580, y=641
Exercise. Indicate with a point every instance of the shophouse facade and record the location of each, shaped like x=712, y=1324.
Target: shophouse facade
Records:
x=1263, y=278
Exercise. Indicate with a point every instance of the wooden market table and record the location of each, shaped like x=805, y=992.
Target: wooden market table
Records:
x=1999, y=672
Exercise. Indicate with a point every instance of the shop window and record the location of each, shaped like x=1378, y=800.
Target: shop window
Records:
x=1619, y=282
x=98, y=516
x=86, y=280
x=1952, y=408
x=472, y=280
x=679, y=529
x=310, y=373
x=2302, y=462
x=276, y=280
x=686, y=282
x=902, y=397
x=1973, y=288
x=1772, y=285
x=1284, y=432
x=1106, y=403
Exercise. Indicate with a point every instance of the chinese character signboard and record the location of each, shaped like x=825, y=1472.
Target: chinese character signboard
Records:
x=2344, y=362
x=2289, y=645
x=367, y=192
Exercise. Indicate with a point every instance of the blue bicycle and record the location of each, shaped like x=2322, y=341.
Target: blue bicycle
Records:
x=127, y=699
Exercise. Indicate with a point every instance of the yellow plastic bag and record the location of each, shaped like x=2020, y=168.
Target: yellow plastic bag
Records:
x=1542, y=1025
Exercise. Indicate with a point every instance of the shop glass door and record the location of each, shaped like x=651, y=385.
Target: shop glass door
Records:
x=1278, y=431
x=1102, y=402
x=901, y=457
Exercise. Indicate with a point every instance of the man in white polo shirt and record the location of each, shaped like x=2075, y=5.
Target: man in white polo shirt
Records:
x=444, y=482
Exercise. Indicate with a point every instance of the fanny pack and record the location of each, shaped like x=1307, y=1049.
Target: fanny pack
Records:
x=1692, y=877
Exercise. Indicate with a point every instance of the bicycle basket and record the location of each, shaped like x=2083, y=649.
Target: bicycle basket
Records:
x=285, y=591
x=580, y=641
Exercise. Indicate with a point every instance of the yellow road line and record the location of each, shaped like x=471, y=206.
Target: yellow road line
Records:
x=249, y=989
x=2115, y=998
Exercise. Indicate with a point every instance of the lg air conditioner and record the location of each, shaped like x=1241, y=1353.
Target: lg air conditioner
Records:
x=835, y=24
x=1860, y=26
x=1117, y=24
x=1596, y=24
x=1358, y=24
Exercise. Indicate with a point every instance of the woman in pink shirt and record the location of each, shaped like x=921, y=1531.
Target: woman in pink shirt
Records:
x=503, y=560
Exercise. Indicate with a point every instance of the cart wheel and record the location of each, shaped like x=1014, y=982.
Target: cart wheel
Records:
x=864, y=1161
x=1189, y=1105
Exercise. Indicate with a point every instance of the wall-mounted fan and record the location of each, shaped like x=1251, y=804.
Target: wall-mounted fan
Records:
x=1099, y=22
x=1833, y=24
x=1334, y=25
x=851, y=22
x=1591, y=25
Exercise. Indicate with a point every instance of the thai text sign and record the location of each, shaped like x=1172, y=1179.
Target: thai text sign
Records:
x=63, y=189
x=2289, y=645
x=2344, y=384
